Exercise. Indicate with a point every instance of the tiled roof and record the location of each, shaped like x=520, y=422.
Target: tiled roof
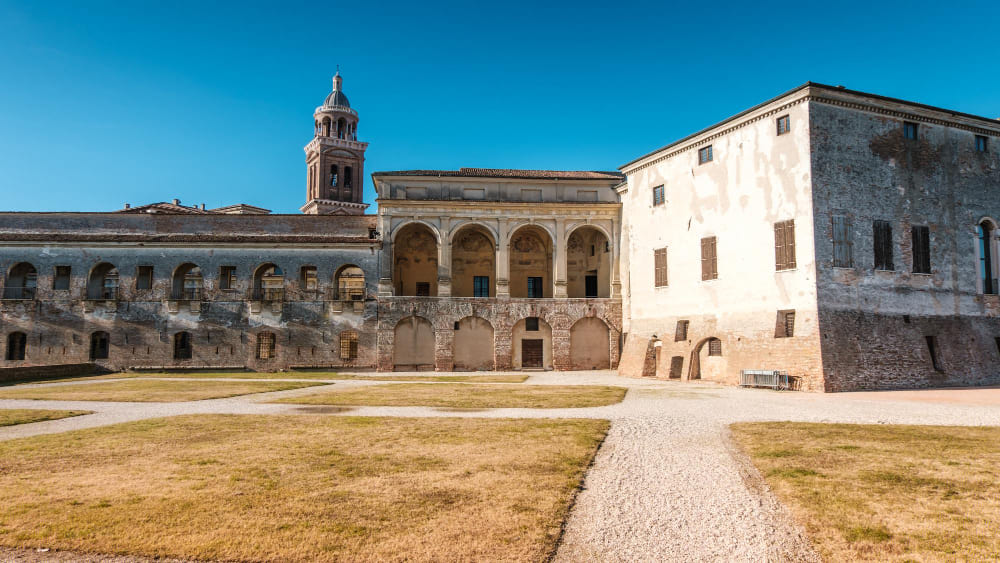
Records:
x=164, y=207
x=510, y=173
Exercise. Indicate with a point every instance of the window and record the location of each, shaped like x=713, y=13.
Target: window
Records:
x=535, y=287
x=658, y=195
x=681, y=332
x=99, y=345
x=182, y=346
x=333, y=175
x=265, y=346
x=531, y=324
x=660, y=267
x=987, y=258
x=348, y=345
x=785, y=326
x=982, y=143
x=144, y=277
x=996, y=340
x=308, y=279
x=709, y=259
x=910, y=130
x=784, y=125
x=61, y=280
x=714, y=347
x=932, y=350
x=705, y=155
x=676, y=367
x=593, y=250
x=227, y=277
x=423, y=289
x=843, y=245
x=921, y=250
x=784, y=245
x=882, y=234
x=17, y=343
x=348, y=177
x=481, y=286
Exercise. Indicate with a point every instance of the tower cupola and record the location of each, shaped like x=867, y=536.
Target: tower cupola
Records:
x=335, y=158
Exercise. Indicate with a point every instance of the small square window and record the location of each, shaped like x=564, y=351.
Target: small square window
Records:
x=714, y=347
x=705, y=155
x=144, y=277
x=658, y=195
x=61, y=280
x=784, y=125
x=531, y=324
x=982, y=143
x=910, y=130
x=423, y=289
x=227, y=277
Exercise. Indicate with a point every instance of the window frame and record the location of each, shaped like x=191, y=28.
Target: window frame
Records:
x=845, y=258
x=681, y=330
x=920, y=249
x=911, y=130
x=709, y=259
x=784, y=124
x=882, y=246
x=56, y=277
x=227, y=278
x=660, y=271
x=530, y=322
x=784, y=245
x=485, y=281
x=714, y=347
x=705, y=155
x=144, y=272
x=659, y=195
x=982, y=143
x=784, y=326
x=535, y=290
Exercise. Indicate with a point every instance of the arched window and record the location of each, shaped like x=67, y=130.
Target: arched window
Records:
x=268, y=283
x=350, y=283
x=22, y=281
x=265, y=346
x=341, y=128
x=987, y=257
x=307, y=278
x=103, y=282
x=326, y=127
x=99, y=345
x=348, y=177
x=182, y=346
x=17, y=343
x=348, y=345
x=188, y=283
x=333, y=175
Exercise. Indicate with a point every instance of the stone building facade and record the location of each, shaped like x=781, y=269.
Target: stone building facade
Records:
x=847, y=239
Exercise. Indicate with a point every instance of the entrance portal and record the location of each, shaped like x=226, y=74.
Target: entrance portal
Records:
x=531, y=353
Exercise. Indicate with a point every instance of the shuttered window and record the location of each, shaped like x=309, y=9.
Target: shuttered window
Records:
x=676, y=366
x=843, y=246
x=785, y=326
x=348, y=345
x=882, y=243
x=921, y=250
x=709, y=259
x=681, y=332
x=658, y=195
x=784, y=245
x=660, y=267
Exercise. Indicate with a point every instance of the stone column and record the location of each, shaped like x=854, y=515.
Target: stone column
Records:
x=385, y=286
x=384, y=343
x=502, y=346
x=444, y=259
x=503, y=262
x=560, y=348
x=559, y=259
x=616, y=280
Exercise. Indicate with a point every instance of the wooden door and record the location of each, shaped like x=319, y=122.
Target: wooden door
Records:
x=531, y=353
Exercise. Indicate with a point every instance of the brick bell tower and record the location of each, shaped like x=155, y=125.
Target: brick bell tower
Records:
x=335, y=158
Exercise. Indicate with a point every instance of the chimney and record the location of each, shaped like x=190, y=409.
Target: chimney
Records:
x=177, y=201
x=128, y=206
x=203, y=207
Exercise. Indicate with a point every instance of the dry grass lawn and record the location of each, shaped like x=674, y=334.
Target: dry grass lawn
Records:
x=298, y=488
x=10, y=417
x=879, y=492
x=313, y=375
x=467, y=396
x=146, y=390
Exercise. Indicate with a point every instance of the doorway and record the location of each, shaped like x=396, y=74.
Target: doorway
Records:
x=591, y=285
x=531, y=353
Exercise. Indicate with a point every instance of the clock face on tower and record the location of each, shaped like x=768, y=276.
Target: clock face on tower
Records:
x=335, y=158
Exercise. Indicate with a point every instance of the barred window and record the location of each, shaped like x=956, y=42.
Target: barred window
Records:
x=785, y=325
x=714, y=347
x=265, y=346
x=348, y=345
x=784, y=245
x=658, y=195
x=784, y=125
x=681, y=332
x=660, y=267
x=705, y=155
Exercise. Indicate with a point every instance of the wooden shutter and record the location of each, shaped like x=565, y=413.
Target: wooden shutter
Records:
x=660, y=266
x=843, y=254
x=883, y=245
x=709, y=264
x=921, y=250
x=784, y=245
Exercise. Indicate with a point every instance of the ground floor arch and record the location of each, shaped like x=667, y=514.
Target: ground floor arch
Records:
x=589, y=344
x=413, y=345
x=707, y=361
x=473, y=344
x=531, y=344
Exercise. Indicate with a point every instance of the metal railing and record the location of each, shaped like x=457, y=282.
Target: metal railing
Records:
x=267, y=294
x=190, y=294
x=770, y=379
x=19, y=293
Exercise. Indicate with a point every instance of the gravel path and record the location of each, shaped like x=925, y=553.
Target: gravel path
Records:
x=667, y=484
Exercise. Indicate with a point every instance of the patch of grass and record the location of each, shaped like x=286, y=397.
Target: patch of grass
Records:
x=10, y=417
x=883, y=492
x=467, y=396
x=298, y=488
x=310, y=375
x=144, y=390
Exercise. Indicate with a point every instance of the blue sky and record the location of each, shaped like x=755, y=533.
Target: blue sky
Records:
x=103, y=103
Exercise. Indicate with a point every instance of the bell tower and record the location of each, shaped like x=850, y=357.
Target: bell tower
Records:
x=335, y=158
